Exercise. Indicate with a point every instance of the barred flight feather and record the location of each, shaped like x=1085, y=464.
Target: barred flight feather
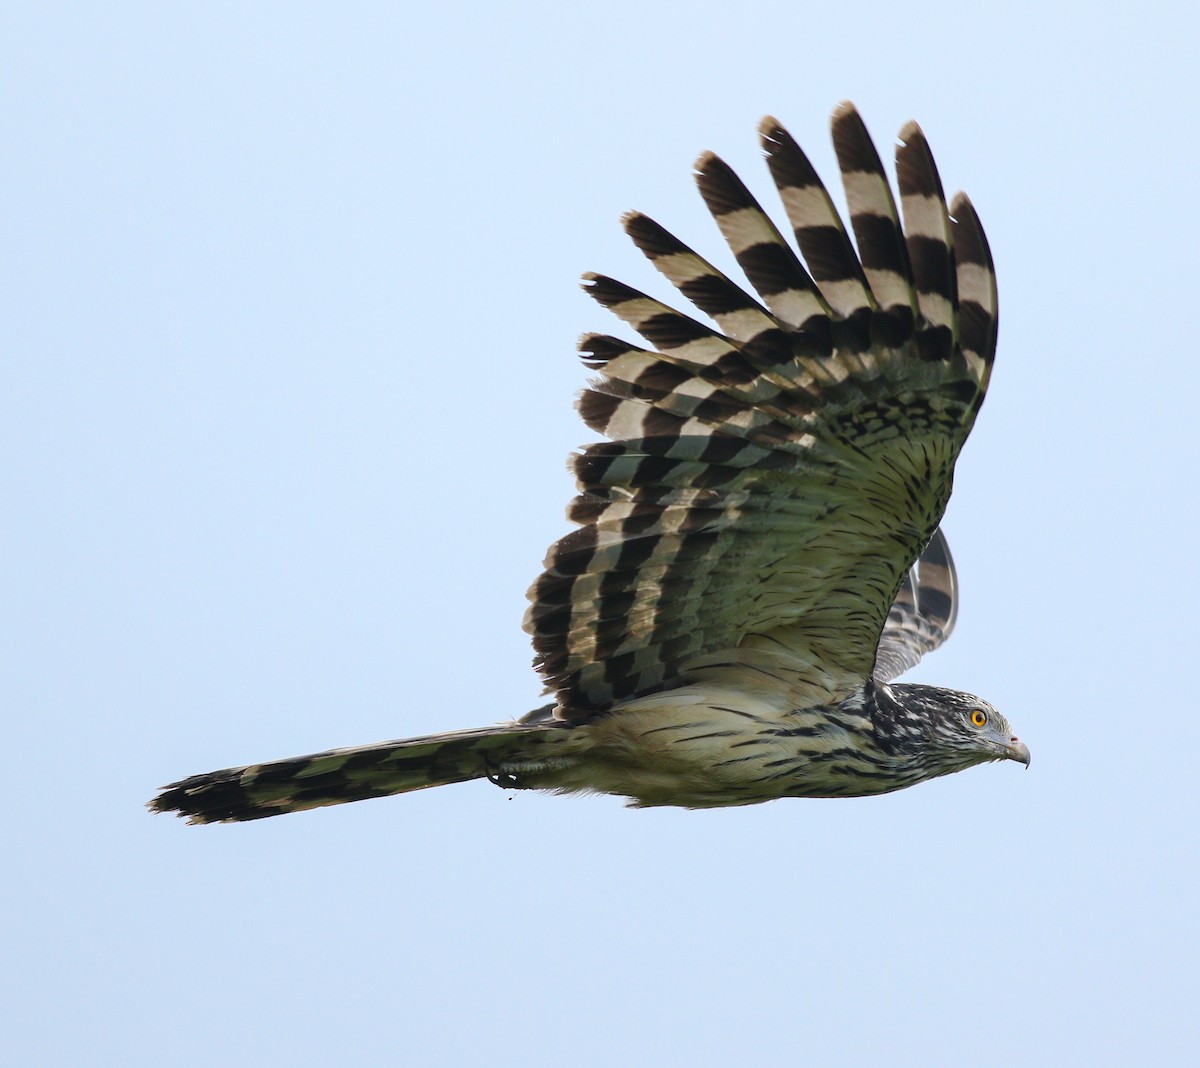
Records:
x=772, y=267
x=923, y=614
x=873, y=216
x=816, y=224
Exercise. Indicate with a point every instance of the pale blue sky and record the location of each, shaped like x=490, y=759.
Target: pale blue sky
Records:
x=289, y=307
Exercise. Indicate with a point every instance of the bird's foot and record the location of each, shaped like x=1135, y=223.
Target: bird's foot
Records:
x=525, y=774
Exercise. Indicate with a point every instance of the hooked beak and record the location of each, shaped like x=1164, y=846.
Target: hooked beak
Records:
x=1015, y=749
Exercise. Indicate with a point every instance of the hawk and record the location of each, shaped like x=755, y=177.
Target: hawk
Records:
x=758, y=552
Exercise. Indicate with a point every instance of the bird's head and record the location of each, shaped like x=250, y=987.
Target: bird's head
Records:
x=958, y=729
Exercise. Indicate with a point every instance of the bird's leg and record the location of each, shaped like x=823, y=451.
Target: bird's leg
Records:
x=505, y=780
x=515, y=774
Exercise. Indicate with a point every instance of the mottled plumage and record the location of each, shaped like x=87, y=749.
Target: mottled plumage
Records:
x=757, y=553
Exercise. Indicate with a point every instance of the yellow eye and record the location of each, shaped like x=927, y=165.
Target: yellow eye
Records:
x=979, y=717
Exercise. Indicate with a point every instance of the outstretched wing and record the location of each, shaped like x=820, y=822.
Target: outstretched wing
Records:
x=923, y=614
x=768, y=483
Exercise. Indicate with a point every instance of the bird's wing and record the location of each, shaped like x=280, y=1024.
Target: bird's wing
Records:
x=768, y=483
x=923, y=614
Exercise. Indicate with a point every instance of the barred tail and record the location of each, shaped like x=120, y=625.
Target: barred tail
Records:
x=340, y=775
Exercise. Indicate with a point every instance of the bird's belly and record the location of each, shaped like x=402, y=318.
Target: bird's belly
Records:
x=736, y=749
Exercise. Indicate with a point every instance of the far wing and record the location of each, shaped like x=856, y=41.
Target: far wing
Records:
x=768, y=483
x=923, y=613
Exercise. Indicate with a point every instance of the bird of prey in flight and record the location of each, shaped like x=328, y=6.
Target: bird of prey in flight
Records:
x=757, y=553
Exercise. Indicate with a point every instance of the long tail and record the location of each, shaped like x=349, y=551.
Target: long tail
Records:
x=340, y=775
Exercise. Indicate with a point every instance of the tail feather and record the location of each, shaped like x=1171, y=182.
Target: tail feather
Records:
x=341, y=775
